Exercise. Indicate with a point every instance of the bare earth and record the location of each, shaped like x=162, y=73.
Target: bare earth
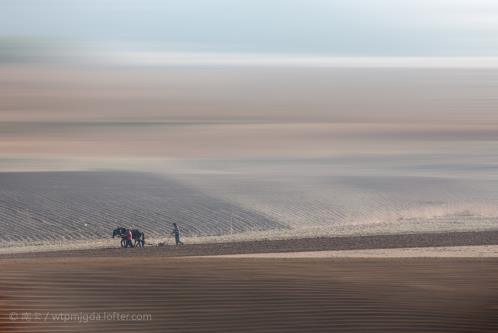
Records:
x=251, y=295
x=187, y=289
x=394, y=241
x=229, y=151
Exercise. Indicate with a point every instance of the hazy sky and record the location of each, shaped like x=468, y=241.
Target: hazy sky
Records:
x=318, y=27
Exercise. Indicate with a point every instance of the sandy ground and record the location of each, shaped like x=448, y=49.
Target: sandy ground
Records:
x=249, y=295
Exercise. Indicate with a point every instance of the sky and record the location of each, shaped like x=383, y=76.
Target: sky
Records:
x=342, y=28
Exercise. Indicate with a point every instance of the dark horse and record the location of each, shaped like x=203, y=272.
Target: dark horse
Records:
x=138, y=236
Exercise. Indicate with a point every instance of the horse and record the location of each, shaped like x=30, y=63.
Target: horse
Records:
x=138, y=236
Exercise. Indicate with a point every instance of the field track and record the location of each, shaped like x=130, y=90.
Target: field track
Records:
x=287, y=245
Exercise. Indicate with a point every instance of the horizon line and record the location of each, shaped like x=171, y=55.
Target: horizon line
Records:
x=141, y=58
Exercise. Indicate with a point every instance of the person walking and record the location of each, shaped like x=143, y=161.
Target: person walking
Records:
x=176, y=232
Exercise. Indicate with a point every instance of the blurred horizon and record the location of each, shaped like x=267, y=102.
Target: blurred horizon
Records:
x=223, y=79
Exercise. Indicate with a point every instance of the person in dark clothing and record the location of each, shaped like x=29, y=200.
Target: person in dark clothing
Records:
x=176, y=232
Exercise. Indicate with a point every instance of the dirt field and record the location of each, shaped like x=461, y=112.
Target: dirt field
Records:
x=191, y=289
x=79, y=209
x=395, y=241
x=249, y=295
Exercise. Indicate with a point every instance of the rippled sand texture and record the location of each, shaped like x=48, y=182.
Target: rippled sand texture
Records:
x=255, y=295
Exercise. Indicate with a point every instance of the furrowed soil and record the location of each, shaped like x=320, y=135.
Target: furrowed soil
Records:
x=54, y=294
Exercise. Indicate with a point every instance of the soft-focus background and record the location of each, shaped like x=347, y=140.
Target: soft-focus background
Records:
x=247, y=118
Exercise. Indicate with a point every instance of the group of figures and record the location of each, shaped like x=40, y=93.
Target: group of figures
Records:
x=136, y=238
x=129, y=237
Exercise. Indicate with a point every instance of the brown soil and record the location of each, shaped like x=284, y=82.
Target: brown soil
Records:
x=254, y=295
x=287, y=245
